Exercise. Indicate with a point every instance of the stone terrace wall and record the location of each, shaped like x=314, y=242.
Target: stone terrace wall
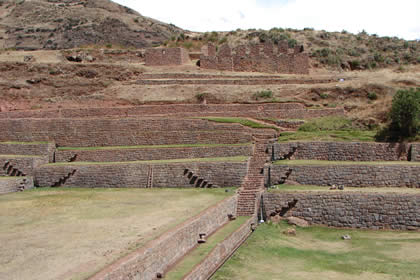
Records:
x=166, y=56
x=342, y=151
x=152, y=153
x=136, y=175
x=122, y=132
x=221, y=253
x=267, y=110
x=415, y=152
x=350, y=175
x=237, y=82
x=355, y=210
x=44, y=149
x=14, y=184
x=158, y=255
x=265, y=57
x=25, y=165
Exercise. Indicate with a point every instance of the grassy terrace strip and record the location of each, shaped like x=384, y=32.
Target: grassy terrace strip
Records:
x=200, y=252
x=242, y=121
x=333, y=135
x=20, y=156
x=219, y=159
x=24, y=143
x=319, y=253
x=150, y=147
x=327, y=162
x=309, y=188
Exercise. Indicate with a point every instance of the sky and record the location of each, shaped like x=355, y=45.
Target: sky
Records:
x=383, y=17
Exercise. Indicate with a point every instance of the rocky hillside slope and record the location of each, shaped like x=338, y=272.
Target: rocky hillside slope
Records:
x=63, y=24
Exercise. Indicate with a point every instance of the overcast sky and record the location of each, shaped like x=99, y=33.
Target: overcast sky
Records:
x=383, y=17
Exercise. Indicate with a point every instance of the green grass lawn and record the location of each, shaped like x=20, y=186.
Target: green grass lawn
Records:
x=68, y=233
x=150, y=147
x=242, y=121
x=331, y=135
x=218, y=159
x=309, y=188
x=327, y=162
x=319, y=253
x=199, y=253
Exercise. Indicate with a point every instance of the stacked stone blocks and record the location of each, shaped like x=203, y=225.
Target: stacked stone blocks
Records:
x=267, y=57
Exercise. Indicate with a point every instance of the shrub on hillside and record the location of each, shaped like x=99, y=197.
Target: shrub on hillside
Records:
x=265, y=94
x=404, y=116
x=405, y=112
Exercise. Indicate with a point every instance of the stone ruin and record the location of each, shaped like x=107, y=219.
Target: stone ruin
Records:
x=166, y=56
x=266, y=57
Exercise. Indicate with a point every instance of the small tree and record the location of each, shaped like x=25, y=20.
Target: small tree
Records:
x=405, y=112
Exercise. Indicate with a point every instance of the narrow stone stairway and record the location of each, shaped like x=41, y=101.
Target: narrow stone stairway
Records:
x=254, y=180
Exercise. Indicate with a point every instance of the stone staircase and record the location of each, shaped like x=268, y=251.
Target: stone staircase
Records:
x=254, y=180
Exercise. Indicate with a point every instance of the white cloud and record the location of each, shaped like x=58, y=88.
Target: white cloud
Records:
x=385, y=18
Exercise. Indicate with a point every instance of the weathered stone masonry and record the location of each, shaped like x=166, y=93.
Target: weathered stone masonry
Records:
x=14, y=184
x=166, y=56
x=349, y=175
x=345, y=151
x=355, y=210
x=266, y=57
x=122, y=132
x=32, y=149
x=152, y=153
x=136, y=175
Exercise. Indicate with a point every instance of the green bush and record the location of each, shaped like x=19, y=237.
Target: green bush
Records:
x=324, y=95
x=405, y=112
x=372, y=96
x=263, y=94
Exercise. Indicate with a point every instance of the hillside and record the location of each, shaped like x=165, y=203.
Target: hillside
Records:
x=63, y=24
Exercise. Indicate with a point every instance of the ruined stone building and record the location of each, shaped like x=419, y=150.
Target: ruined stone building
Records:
x=266, y=57
x=166, y=56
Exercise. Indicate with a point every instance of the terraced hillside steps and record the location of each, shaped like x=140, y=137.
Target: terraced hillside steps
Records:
x=63, y=179
x=12, y=171
x=197, y=181
x=254, y=180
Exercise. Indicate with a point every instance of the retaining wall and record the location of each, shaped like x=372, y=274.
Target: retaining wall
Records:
x=221, y=253
x=14, y=184
x=415, y=152
x=268, y=110
x=354, y=210
x=122, y=132
x=136, y=175
x=349, y=175
x=41, y=149
x=157, y=256
x=151, y=153
x=342, y=151
x=236, y=82
x=25, y=165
